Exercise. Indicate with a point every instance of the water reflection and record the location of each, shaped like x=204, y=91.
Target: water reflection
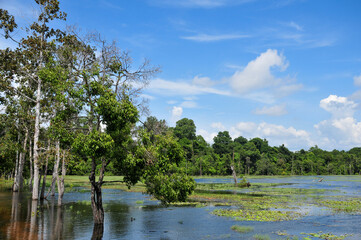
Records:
x=134, y=216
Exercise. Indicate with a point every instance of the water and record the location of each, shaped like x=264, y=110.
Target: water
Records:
x=131, y=215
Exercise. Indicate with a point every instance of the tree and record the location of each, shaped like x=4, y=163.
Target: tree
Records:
x=222, y=143
x=36, y=50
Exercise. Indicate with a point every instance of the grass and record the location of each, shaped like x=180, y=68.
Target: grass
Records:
x=242, y=229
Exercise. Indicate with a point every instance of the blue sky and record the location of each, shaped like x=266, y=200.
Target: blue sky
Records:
x=287, y=70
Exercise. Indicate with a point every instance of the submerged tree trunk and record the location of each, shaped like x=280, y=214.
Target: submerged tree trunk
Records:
x=96, y=192
x=61, y=187
x=16, y=183
x=31, y=167
x=56, y=167
x=22, y=159
x=45, y=172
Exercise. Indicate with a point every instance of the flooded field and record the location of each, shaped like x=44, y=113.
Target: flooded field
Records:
x=330, y=206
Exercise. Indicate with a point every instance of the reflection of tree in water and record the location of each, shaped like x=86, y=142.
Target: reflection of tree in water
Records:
x=118, y=218
x=18, y=226
x=23, y=218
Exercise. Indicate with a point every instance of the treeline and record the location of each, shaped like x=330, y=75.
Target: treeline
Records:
x=253, y=156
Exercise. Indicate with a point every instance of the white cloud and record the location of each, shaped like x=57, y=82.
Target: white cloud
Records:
x=164, y=87
x=189, y=104
x=285, y=90
x=295, y=26
x=257, y=74
x=176, y=113
x=202, y=81
x=146, y=96
x=207, y=135
x=213, y=38
x=339, y=107
x=342, y=131
x=276, y=110
x=171, y=102
x=275, y=134
x=19, y=10
x=357, y=80
x=218, y=126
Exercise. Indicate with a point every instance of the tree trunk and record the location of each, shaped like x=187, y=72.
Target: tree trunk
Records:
x=16, y=183
x=61, y=187
x=36, y=140
x=22, y=159
x=31, y=167
x=234, y=174
x=96, y=193
x=98, y=230
x=200, y=166
x=56, y=167
x=45, y=171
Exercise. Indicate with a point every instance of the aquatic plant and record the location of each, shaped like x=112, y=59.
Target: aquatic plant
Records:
x=242, y=229
x=347, y=206
x=258, y=215
x=261, y=237
x=326, y=236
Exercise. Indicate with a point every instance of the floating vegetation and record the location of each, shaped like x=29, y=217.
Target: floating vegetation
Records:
x=139, y=202
x=347, y=206
x=258, y=215
x=326, y=236
x=242, y=229
x=261, y=237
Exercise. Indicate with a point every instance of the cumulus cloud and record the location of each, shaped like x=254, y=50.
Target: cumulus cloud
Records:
x=293, y=138
x=342, y=131
x=218, y=126
x=339, y=107
x=208, y=136
x=276, y=110
x=357, y=80
x=275, y=134
x=257, y=74
x=176, y=113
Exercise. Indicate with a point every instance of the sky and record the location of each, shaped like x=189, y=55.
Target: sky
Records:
x=288, y=71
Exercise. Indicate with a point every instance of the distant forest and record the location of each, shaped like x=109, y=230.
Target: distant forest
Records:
x=253, y=156
x=247, y=156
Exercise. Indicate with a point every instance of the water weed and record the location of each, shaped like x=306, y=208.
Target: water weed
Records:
x=242, y=229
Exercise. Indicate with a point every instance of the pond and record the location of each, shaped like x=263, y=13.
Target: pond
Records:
x=133, y=215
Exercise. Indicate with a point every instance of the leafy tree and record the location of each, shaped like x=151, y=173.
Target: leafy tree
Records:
x=222, y=143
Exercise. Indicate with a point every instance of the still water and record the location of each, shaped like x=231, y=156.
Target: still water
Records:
x=131, y=215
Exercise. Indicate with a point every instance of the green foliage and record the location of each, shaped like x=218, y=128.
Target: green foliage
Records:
x=169, y=188
x=222, y=143
x=95, y=144
x=185, y=128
